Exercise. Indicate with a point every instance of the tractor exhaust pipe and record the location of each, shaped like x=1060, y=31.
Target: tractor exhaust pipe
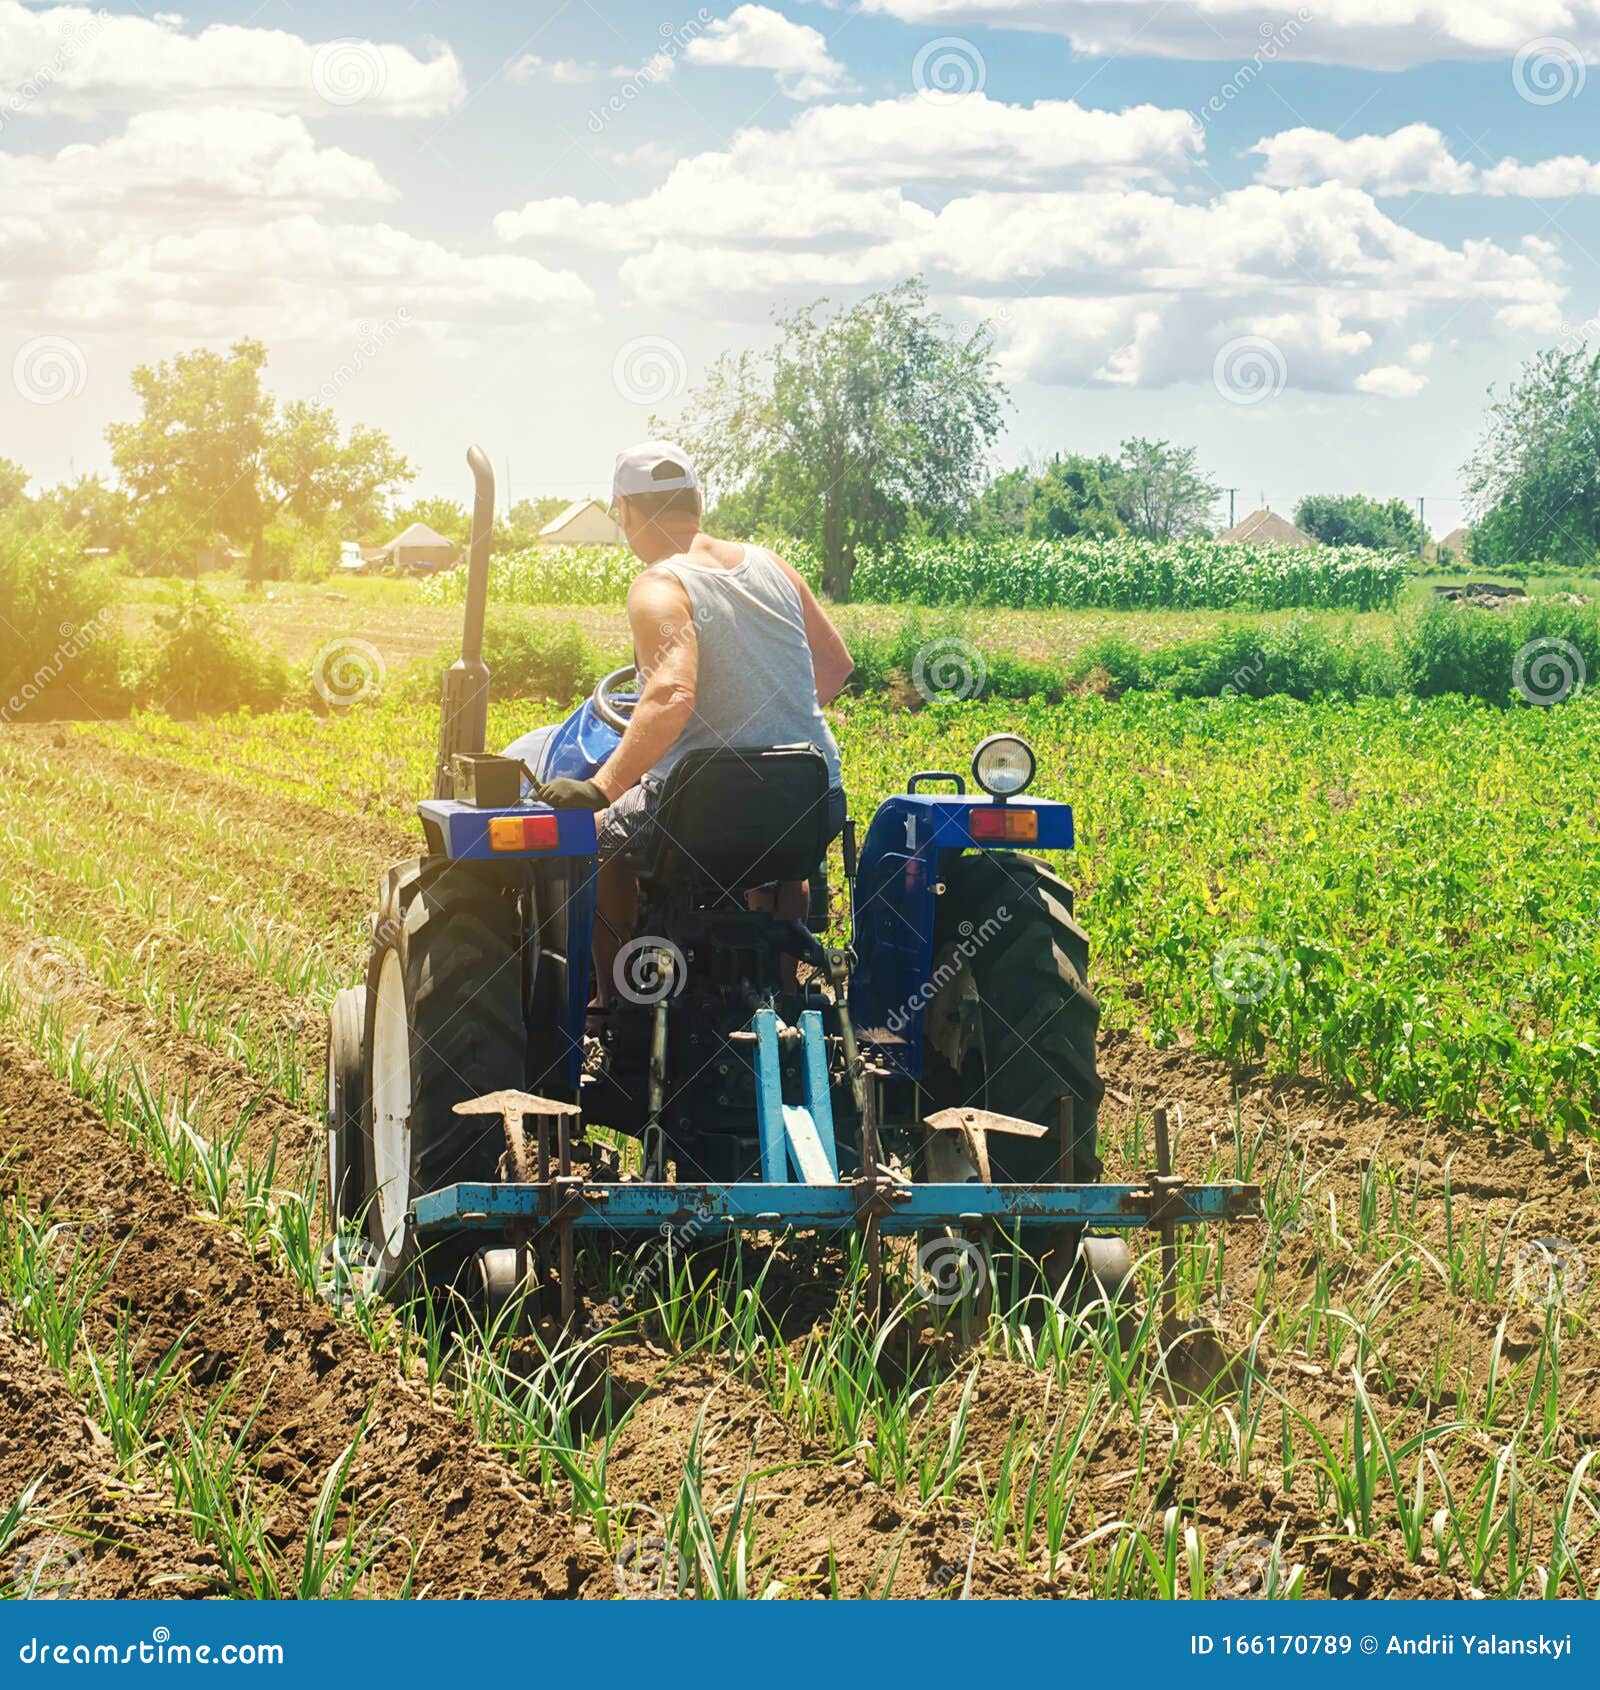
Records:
x=464, y=717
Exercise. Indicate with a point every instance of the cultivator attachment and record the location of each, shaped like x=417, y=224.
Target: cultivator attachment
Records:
x=541, y=1212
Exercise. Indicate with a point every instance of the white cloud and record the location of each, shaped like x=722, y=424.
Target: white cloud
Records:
x=659, y=67
x=253, y=161
x=1391, y=381
x=76, y=60
x=978, y=139
x=1093, y=265
x=1377, y=34
x=531, y=68
x=842, y=154
x=758, y=38
x=209, y=223
x=1416, y=159
x=1552, y=178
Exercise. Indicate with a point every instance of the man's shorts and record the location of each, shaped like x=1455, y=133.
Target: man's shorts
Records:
x=629, y=823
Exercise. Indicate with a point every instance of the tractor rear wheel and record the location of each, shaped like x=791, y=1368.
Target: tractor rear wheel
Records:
x=1012, y=1027
x=445, y=993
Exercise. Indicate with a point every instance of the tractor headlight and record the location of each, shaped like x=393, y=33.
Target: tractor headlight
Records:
x=1003, y=765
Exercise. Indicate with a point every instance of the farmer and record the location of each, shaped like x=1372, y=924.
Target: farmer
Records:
x=732, y=649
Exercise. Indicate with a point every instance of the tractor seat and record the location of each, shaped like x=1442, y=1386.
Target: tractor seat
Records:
x=730, y=820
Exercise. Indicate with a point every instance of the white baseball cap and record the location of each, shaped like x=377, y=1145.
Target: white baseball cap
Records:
x=653, y=466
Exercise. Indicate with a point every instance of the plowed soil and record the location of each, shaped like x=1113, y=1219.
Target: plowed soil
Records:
x=319, y=1387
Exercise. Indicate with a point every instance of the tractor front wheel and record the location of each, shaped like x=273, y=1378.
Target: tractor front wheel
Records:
x=347, y=1091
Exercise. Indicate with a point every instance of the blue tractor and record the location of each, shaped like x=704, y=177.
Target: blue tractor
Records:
x=936, y=1076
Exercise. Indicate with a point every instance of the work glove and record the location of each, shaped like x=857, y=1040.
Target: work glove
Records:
x=564, y=794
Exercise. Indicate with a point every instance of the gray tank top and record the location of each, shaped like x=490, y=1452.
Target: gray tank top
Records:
x=755, y=685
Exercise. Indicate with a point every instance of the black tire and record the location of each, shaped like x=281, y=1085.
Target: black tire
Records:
x=1011, y=958
x=453, y=934
x=344, y=1166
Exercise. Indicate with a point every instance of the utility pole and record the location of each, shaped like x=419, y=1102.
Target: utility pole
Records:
x=1230, y=491
x=1422, y=526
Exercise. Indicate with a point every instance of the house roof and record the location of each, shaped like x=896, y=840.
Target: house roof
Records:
x=1267, y=528
x=570, y=514
x=1456, y=539
x=420, y=534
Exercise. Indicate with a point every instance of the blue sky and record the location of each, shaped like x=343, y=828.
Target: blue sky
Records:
x=534, y=225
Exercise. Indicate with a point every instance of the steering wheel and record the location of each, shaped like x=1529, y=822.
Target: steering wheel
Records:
x=615, y=696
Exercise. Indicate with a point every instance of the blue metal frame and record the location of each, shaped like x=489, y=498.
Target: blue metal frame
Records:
x=778, y=1123
x=896, y=902
x=624, y=1206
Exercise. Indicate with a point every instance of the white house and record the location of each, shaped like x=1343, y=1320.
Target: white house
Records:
x=585, y=522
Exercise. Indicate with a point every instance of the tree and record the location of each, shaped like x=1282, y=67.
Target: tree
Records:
x=13, y=483
x=212, y=455
x=852, y=424
x=521, y=524
x=1353, y=519
x=1534, y=483
x=1075, y=495
x=444, y=516
x=92, y=511
x=1162, y=494
x=1003, y=506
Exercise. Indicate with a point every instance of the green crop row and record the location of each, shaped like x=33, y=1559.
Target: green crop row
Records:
x=1132, y=574
x=1402, y=895
x=1120, y=574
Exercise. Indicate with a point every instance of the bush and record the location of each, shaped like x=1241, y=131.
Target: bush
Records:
x=930, y=656
x=202, y=662
x=527, y=658
x=61, y=654
x=1480, y=654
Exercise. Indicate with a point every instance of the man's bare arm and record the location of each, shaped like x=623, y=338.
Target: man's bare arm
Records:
x=662, y=620
x=831, y=662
